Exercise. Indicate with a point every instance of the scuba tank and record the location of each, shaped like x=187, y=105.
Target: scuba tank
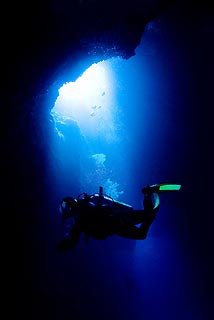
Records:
x=101, y=199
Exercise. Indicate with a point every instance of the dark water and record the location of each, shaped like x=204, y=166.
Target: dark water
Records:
x=160, y=126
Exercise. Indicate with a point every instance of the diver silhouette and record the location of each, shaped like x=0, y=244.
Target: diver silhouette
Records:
x=99, y=216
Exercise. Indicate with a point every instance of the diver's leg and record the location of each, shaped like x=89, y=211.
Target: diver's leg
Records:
x=132, y=232
x=129, y=227
x=138, y=230
x=151, y=206
x=151, y=201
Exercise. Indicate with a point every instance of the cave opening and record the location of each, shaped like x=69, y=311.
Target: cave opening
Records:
x=89, y=128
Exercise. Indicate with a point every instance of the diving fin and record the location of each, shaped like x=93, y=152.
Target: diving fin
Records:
x=161, y=187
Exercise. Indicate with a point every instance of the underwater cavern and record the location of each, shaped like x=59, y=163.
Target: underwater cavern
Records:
x=145, y=119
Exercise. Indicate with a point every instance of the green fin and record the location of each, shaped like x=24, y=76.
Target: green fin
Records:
x=169, y=187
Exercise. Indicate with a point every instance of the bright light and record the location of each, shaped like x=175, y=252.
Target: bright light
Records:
x=89, y=101
x=91, y=104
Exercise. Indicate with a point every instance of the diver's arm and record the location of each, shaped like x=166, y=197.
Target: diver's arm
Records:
x=72, y=240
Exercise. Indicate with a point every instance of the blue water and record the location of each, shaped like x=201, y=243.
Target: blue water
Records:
x=146, y=139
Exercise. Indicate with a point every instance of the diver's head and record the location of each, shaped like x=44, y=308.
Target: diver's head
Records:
x=67, y=207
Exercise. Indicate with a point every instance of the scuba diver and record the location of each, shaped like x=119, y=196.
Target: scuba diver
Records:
x=99, y=216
